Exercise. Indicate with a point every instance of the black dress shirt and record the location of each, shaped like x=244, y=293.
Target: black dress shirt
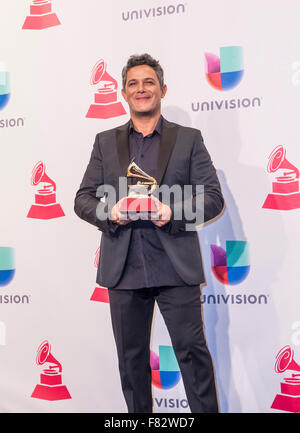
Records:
x=147, y=264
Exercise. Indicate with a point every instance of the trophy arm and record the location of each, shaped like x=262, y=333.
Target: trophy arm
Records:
x=153, y=188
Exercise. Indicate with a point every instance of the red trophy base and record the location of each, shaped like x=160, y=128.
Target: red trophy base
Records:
x=136, y=205
x=51, y=388
x=289, y=399
x=102, y=111
x=38, y=22
x=100, y=294
x=51, y=393
x=45, y=212
x=282, y=201
x=287, y=403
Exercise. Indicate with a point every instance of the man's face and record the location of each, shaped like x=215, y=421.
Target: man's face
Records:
x=142, y=91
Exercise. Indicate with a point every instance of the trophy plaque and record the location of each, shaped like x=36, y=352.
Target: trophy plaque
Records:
x=139, y=203
x=50, y=386
x=41, y=16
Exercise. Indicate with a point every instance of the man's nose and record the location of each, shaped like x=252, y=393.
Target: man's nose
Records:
x=140, y=87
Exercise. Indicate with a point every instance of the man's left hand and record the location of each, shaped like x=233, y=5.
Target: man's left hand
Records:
x=163, y=214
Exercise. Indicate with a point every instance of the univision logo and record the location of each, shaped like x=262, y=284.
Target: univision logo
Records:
x=4, y=98
x=7, y=273
x=226, y=71
x=165, y=369
x=7, y=265
x=153, y=12
x=4, y=86
x=232, y=266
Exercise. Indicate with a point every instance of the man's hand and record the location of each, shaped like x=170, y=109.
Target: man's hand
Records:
x=163, y=215
x=116, y=216
x=161, y=218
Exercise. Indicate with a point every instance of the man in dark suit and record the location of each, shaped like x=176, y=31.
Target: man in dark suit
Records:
x=158, y=260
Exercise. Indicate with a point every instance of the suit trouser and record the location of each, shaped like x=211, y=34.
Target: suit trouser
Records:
x=132, y=313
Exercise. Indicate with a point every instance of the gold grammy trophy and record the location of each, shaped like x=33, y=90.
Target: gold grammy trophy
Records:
x=139, y=203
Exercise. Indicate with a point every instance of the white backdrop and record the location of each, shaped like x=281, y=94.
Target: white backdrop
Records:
x=45, y=120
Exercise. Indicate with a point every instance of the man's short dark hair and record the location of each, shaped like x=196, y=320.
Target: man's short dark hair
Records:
x=143, y=59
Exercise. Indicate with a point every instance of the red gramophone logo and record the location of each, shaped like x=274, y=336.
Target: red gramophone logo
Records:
x=100, y=294
x=50, y=386
x=106, y=104
x=285, y=189
x=45, y=206
x=41, y=16
x=289, y=397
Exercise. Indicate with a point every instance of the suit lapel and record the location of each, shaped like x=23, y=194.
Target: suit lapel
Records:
x=122, y=143
x=167, y=142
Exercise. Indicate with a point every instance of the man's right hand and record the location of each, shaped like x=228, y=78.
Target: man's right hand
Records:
x=116, y=216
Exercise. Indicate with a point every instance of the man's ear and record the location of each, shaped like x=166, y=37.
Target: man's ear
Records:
x=124, y=94
x=164, y=90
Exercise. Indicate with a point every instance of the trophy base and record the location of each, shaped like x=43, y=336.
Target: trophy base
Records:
x=45, y=212
x=38, y=22
x=282, y=202
x=133, y=205
x=287, y=403
x=102, y=111
x=51, y=393
x=100, y=294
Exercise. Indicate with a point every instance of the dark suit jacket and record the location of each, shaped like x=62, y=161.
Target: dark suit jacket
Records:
x=183, y=160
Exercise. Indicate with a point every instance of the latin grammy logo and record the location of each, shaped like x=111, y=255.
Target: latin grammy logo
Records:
x=285, y=190
x=289, y=398
x=41, y=16
x=45, y=206
x=105, y=103
x=100, y=294
x=51, y=387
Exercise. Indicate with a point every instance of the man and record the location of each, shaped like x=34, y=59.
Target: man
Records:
x=156, y=260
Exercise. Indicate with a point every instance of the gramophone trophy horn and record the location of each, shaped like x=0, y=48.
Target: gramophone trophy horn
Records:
x=278, y=160
x=106, y=104
x=135, y=171
x=45, y=206
x=289, y=397
x=285, y=360
x=44, y=355
x=50, y=386
x=101, y=76
x=39, y=175
x=285, y=189
x=139, y=204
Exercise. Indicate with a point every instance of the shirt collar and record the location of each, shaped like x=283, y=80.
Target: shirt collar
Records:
x=157, y=128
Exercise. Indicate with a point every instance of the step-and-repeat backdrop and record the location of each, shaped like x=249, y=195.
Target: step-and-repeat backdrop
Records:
x=233, y=71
